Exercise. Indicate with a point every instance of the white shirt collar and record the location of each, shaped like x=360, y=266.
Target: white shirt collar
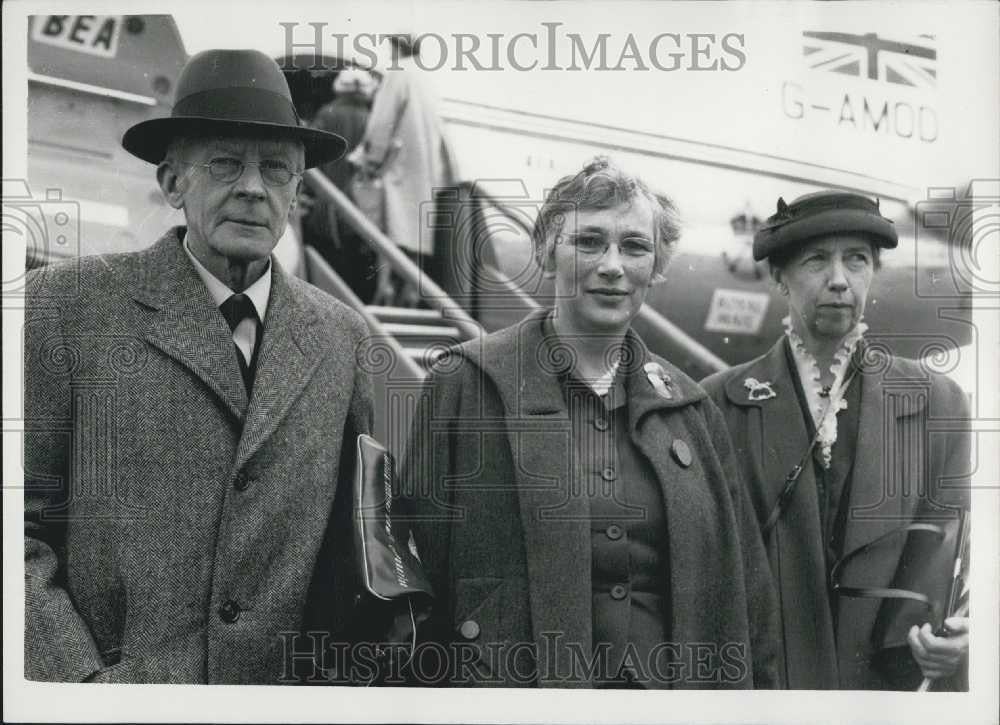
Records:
x=603, y=384
x=259, y=292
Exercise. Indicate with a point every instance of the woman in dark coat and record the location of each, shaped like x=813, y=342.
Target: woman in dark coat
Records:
x=877, y=462
x=575, y=498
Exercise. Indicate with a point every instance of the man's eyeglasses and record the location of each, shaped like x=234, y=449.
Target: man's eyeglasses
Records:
x=227, y=169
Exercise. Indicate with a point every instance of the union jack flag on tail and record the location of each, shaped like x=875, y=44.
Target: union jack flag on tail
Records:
x=907, y=63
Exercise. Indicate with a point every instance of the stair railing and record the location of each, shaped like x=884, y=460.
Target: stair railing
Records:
x=432, y=293
x=326, y=278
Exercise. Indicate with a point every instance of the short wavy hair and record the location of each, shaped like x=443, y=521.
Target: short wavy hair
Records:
x=602, y=184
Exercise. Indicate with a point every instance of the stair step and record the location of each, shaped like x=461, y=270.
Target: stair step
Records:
x=434, y=332
x=405, y=314
x=420, y=355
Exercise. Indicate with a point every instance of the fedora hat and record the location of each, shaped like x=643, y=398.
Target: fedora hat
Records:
x=239, y=92
x=819, y=214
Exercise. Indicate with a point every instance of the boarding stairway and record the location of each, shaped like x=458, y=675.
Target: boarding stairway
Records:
x=423, y=334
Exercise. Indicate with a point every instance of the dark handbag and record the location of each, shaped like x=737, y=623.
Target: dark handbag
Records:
x=389, y=570
x=928, y=584
x=395, y=593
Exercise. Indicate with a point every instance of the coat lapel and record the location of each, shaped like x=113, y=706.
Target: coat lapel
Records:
x=889, y=468
x=187, y=326
x=783, y=450
x=888, y=464
x=554, y=513
x=290, y=352
x=778, y=439
x=683, y=486
x=643, y=397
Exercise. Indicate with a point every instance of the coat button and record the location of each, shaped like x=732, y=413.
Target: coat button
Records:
x=469, y=629
x=614, y=532
x=608, y=474
x=229, y=612
x=619, y=591
x=681, y=452
x=242, y=482
x=601, y=423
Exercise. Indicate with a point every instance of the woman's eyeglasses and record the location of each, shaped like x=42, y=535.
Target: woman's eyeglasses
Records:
x=595, y=246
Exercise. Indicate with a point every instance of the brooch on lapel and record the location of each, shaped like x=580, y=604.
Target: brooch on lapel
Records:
x=759, y=390
x=659, y=379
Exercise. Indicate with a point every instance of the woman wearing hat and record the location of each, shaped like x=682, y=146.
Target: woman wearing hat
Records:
x=833, y=440
x=574, y=497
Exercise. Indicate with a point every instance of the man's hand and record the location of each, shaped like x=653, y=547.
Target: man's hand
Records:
x=940, y=656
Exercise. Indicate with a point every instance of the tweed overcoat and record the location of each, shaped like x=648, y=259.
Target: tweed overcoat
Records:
x=156, y=492
x=911, y=462
x=504, y=532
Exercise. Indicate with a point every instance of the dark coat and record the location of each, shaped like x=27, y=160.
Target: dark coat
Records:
x=506, y=539
x=905, y=467
x=347, y=116
x=156, y=492
x=329, y=232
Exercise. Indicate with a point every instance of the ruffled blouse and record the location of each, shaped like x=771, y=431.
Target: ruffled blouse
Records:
x=824, y=405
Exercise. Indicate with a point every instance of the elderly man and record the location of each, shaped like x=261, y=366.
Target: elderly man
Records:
x=190, y=415
x=837, y=443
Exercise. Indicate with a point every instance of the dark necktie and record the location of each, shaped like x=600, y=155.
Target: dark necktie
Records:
x=236, y=309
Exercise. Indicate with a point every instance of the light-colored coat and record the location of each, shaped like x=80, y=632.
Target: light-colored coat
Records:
x=156, y=492
x=505, y=536
x=405, y=136
x=907, y=465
